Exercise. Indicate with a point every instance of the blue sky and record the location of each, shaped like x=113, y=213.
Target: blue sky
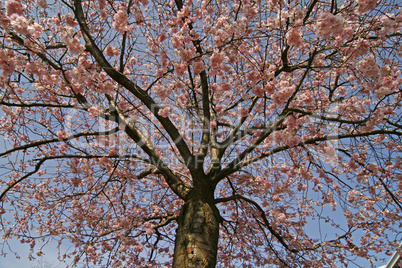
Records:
x=10, y=261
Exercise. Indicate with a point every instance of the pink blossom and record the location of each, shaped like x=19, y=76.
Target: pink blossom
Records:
x=14, y=7
x=66, y=32
x=160, y=72
x=104, y=14
x=179, y=84
x=269, y=89
x=258, y=91
x=348, y=33
x=177, y=40
x=184, y=12
x=94, y=111
x=113, y=151
x=42, y=3
x=243, y=112
x=105, y=87
x=4, y=21
x=293, y=140
x=254, y=77
x=385, y=70
x=215, y=87
x=398, y=17
x=387, y=86
x=70, y=20
x=284, y=92
x=41, y=172
x=329, y=150
x=75, y=46
x=226, y=87
x=363, y=47
x=213, y=124
x=294, y=37
x=20, y=24
x=162, y=37
x=150, y=231
x=162, y=92
x=35, y=30
x=61, y=134
x=186, y=54
x=102, y=4
x=164, y=112
x=216, y=59
x=120, y=21
x=369, y=67
x=329, y=24
x=75, y=182
x=276, y=198
x=387, y=25
x=7, y=63
x=9, y=111
x=220, y=37
x=281, y=217
x=365, y=5
x=35, y=68
x=198, y=67
x=180, y=68
x=306, y=98
x=111, y=51
x=38, y=195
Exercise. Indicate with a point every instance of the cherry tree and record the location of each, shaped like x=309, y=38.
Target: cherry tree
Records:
x=240, y=133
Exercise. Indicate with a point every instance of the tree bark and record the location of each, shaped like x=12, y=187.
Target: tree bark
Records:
x=197, y=235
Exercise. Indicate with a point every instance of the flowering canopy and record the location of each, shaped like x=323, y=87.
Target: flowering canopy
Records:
x=286, y=113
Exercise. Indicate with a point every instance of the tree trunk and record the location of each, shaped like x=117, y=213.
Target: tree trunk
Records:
x=197, y=235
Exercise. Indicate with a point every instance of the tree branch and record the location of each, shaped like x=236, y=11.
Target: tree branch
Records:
x=233, y=166
x=309, y=10
x=43, y=142
x=263, y=216
x=36, y=169
x=42, y=56
x=175, y=183
x=122, y=80
x=236, y=166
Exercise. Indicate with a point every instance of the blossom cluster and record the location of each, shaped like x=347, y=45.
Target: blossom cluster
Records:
x=329, y=24
x=284, y=91
x=365, y=5
x=369, y=67
x=16, y=18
